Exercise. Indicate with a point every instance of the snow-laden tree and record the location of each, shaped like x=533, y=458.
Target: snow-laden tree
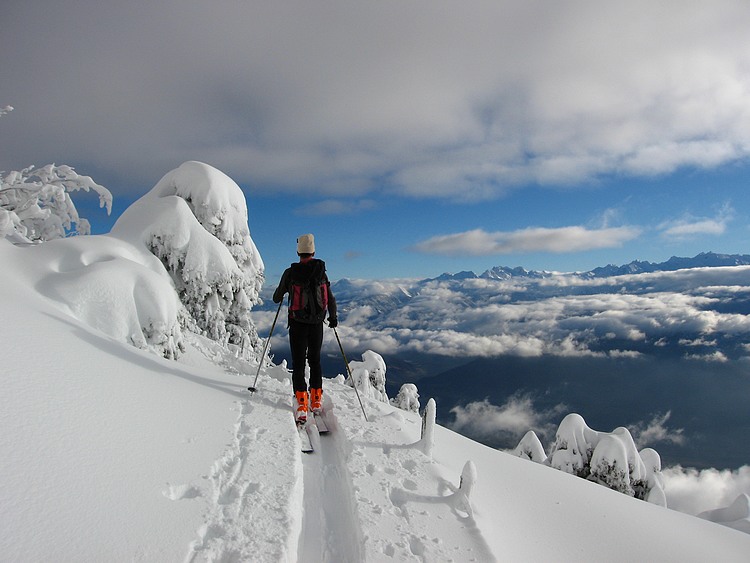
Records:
x=35, y=203
x=195, y=221
x=574, y=444
x=616, y=463
x=407, y=398
x=369, y=375
x=654, y=484
x=531, y=448
x=608, y=458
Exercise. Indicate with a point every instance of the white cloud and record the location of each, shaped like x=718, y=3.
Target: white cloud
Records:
x=622, y=316
x=509, y=421
x=655, y=431
x=717, y=356
x=691, y=491
x=479, y=242
x=704, y=227
x=690, y=227
x=417, y=98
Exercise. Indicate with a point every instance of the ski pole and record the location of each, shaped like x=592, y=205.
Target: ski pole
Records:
x=348, y=369
x=252, y=388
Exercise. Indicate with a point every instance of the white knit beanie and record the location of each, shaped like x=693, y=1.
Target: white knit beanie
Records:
x=306, y=244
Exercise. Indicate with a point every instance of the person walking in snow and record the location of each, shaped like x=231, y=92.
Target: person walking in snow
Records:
x=310, y=297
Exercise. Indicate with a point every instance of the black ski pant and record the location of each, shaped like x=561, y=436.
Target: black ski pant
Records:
x=305, y=341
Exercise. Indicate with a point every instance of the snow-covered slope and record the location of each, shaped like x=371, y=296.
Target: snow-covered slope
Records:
x=111, y=453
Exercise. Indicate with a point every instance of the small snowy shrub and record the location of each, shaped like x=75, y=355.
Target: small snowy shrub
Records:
x=530, y=447
x=610, y=459
x=407, y=398
x=609, y=465
x=370, y=376
x=574, y=444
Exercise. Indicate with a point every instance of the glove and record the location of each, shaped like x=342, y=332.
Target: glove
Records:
x=333, y=322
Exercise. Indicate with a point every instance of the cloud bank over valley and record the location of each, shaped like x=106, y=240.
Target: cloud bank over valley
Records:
x=694, y=313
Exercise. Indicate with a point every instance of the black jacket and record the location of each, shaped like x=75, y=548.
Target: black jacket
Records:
x=305, y=271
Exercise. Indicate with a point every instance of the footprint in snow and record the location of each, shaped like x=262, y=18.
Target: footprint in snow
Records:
x=179, y=492
x=410, y=485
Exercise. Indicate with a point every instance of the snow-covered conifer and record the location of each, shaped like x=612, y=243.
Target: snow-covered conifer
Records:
x=35, y=203
x=652, y=490
x=195, y=221
x=610, y=459
x=407, y=398
x=609, y=465
x=370, y=376
x=530, y=447
x=574, y=444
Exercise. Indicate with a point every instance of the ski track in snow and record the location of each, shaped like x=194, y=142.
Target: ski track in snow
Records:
x=329, y=528
x=367, y=493
x=406, y=509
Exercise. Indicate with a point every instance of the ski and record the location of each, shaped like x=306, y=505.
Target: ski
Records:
x=320, y=422
x=304, y=438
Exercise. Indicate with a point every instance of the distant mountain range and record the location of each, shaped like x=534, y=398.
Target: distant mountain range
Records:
x=702, y=260
x=388, y=295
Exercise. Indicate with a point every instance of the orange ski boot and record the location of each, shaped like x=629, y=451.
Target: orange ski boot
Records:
x=316, y=399
x=302, y=404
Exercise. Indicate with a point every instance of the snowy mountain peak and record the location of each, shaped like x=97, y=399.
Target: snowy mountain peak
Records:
x=505, y=273
x=464, y=275
x=702, y=260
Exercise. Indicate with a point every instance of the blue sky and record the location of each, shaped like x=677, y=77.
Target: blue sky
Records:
x=412, y=138
x=380, y=241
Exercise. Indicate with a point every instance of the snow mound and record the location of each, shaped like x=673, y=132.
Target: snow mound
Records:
x=109, y=285
x=736, y=515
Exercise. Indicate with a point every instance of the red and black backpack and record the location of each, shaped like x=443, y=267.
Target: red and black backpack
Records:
x=308, y=292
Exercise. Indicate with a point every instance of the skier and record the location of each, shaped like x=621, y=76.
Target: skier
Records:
x=310, y=296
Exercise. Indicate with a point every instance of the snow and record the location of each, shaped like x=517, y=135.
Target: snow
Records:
x=112, y=452
x=35, y=204
x=407, y=398
x=195, y=221
x=610, y=459
x=369, y=375
x=736, y=515
x=531, y=448
x=174, y=461
x=111, y=285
